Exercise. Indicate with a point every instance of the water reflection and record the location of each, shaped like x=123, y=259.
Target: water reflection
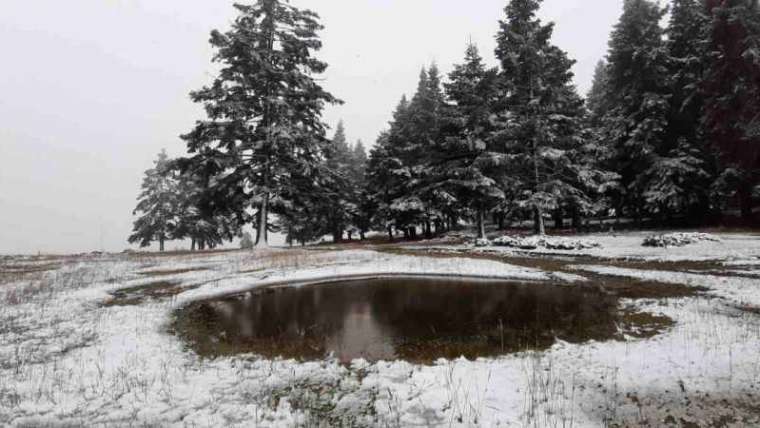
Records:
x=416, y=319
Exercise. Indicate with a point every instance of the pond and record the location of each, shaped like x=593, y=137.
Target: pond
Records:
x=418, y=319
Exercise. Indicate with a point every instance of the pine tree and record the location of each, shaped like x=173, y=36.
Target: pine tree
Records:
x=465, y=171
x=414, y=139
x=398, y=167
x=539, y=117
x=687, y=46
x=388, y=172
x=731, y=88
x=680, y=179
x=596, y=101
x=264, y=108
x=362, y=216
x=303, y=215
x=340, y=203
x=198, y=214
x=637, y=89
x=156, y=205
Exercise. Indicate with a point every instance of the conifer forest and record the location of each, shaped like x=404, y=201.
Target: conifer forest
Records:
x=665, y=137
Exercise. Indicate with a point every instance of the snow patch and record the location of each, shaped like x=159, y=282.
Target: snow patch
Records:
x=678, y=239
x=547, y=242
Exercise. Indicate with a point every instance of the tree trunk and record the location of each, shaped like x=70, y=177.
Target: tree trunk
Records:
x=501, y=221
x=428, y=230
x=261, y=232
x=361, y=235
x=540, y=227
x=481, y=224
x=192, y=245
x=390, y=233
x=350, y=236
x=161, y=244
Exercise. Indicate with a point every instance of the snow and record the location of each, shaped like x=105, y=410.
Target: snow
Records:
x=546, y=242
x=67, y=360
x=738, y=289
x=739, y=249
x=678, y=239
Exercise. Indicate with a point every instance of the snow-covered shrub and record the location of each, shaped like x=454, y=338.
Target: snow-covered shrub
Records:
x=678, y=239
x=482, y=242
x=546, y=242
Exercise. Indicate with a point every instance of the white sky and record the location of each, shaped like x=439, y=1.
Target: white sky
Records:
x=91, y=90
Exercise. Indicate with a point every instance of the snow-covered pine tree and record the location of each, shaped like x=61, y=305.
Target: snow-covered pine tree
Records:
x=687, y=44
x=463, y=166
x=413, y=138
x=539, y=116
x=385, y=178
x=597, y=151
x=680, y=179
x=340, y=202
x=596, y=99
x=638, y=92
x=302, y=213
x=362, y=216
x=731, y=88
x=200, y=215
x=264, y=108
x=156, y=205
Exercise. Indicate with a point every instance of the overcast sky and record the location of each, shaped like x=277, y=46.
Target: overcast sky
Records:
x=91, y=90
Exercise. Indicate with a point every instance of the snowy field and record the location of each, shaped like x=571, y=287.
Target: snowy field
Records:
x=71, y=355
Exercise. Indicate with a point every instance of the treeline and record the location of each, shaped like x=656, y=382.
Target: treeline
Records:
x=668, y=133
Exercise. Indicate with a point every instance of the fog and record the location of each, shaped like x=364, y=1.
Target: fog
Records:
x=92, y=90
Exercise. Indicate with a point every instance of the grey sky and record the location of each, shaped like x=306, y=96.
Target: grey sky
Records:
x=91, y=90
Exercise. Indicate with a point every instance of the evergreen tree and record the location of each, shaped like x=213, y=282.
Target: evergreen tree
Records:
x=340, y=205
x=413, y=139
x=302, y=217
x=362, y=216
x=385, y=178
x=681, y=176
x=596, y=99
x=539, y=117
x=197, y=213
x=637, y=89
x=731, y=89
x=264, y=108
x=156, y=205
x=465, y=169
x=687, y=44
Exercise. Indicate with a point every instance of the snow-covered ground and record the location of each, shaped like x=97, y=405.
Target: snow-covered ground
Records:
x=733, y=248
x=67, y=357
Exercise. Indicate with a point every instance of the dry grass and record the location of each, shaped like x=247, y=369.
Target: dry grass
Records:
x=259, y=261
x=169, y=272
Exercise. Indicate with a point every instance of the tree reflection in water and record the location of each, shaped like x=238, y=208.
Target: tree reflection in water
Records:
x=416, y=319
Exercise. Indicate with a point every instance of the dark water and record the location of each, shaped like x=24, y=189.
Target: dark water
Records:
x=415, y=319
